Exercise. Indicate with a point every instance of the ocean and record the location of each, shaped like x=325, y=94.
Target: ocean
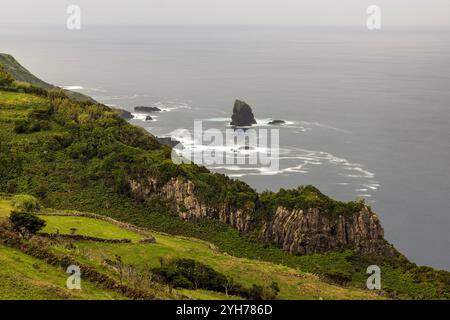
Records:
x=367, y=113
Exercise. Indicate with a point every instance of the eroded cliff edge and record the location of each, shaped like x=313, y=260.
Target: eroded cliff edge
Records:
x=298, y=231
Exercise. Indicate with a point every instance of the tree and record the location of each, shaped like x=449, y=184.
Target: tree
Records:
x=25, y=222
x=5, y=78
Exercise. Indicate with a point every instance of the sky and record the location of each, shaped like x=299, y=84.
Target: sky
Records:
x=267, y=12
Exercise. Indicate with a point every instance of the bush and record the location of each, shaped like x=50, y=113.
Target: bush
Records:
x=188, y=273
x=191, y=274
x=5, y=78
x=25, y=222
x=30, y=126
x=26, y=203
x=11, y=186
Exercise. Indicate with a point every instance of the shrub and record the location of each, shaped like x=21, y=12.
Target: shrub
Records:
x=30, y=126
x=26, y=203
x=191, y=274
x=25, y=222
x=188, y=273
x=5, y=78
x=11, y=186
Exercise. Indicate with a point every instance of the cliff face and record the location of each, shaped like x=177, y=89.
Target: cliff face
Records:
x=304, y=232
x=181, y=194
x=296, y=231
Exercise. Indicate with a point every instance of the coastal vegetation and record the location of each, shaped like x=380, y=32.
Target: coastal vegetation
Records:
x=72, y=155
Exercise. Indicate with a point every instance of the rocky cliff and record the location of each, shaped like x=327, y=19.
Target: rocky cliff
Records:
x=296, y=231
x=180, y=194
x=312, y=231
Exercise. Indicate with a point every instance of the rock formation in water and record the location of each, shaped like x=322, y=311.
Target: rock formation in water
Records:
x=144, y=109
x=242, y=115
x=277, y=122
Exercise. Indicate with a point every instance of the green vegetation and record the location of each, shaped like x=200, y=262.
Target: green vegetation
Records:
x=191, y=274
x=5, y=78
x=243, y=273
x=26, y=222
x=87, y=227
x=5, y=208
x=80, y=155
x=308, y=197
x=25, y=277
x=25, y=203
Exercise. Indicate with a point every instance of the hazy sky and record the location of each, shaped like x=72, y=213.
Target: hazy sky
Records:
x=310, y=12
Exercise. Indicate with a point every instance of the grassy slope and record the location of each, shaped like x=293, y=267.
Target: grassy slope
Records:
x=88, y=227
x=19, y=73
x=293, y=284
x=25, y=277
x=69, y=183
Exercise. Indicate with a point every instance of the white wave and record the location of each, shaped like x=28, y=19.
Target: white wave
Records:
x=372, y=186
x=72, y=87
x=115, y=97
x=143, y=116
x=169, y=106
x=325, y=126
x=361, y=173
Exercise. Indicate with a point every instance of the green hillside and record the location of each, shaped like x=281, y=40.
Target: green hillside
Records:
x=77, y=156
x=25, y=277
x=19, y=73
x=293, y=284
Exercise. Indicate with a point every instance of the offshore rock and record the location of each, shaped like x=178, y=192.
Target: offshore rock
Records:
x=242, y=115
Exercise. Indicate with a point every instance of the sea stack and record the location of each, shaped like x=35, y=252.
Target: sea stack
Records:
x=242, y=115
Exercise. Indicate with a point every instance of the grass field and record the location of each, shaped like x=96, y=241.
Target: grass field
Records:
x=5, y=208
x=24, y=277
x=293, y=284
x=78, y=157
x=88, y=227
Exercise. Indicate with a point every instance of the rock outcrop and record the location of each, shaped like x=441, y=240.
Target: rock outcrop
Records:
x=305, y=232
x=146, y=109
x=242, y=115
x=169, y=141
x=180, y=193
x=124, y=114
x=295, y=231
x=277, y=122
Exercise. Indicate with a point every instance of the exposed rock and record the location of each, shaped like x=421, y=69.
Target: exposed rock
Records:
x=242, y=115
x=148, y=240
x=295, y=231
x=181, y=194
x=143, y=109
x=124, y=114
x=148, y=118
x=277, y=122
x=312, y=231
x=168, y=141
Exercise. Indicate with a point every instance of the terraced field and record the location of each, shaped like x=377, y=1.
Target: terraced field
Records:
x=87, y=227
